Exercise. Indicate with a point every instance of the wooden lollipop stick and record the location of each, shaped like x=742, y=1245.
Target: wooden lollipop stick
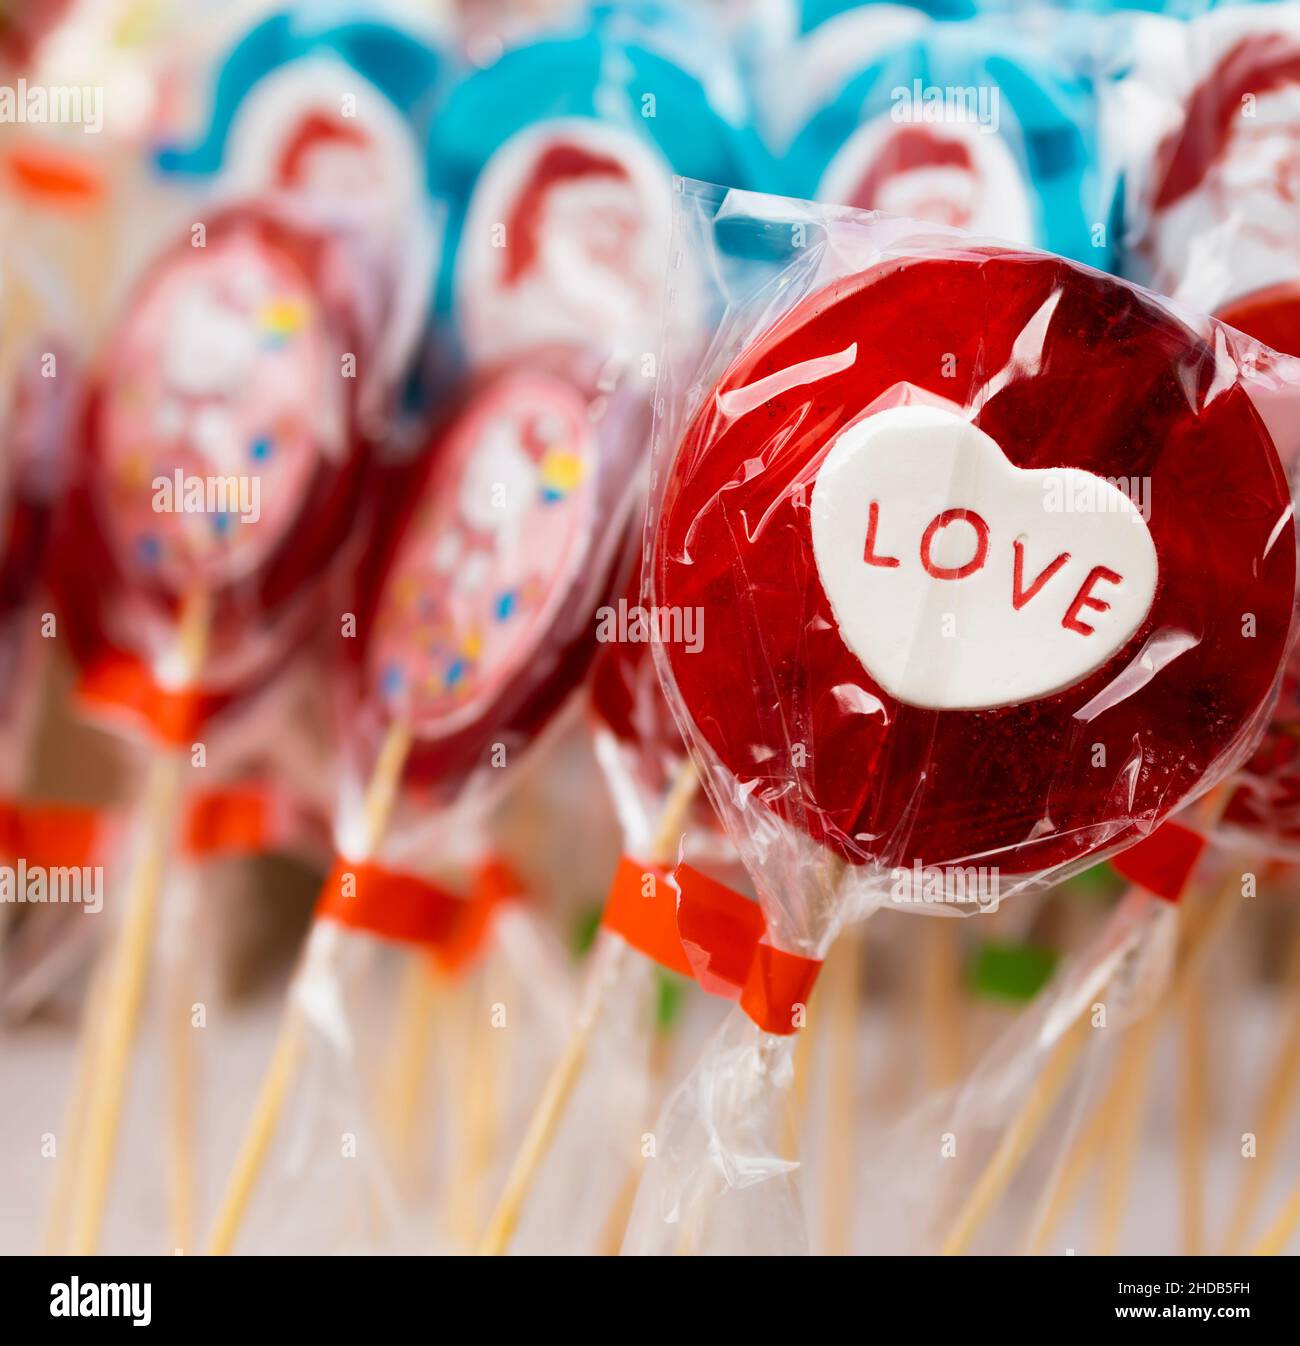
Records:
x=1193, y=1088
x=72, y=1134
x=381, y=795
x=564, y=1077
x=614, y=1231
x=843, y=988
x=1133, y=1075
x=805, y=1054
x=1275, y=1104
x=1016, y=1143
x=131, y=953
x=940, y=1000
x=257, y=1138
x=181, y=1121
x=1089, y=1145
x=1006, y=1161
x=406, y=1069
x=476, y=1106
x=125, y=993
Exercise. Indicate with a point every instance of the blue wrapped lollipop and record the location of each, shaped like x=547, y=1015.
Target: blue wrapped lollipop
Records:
x=559, y=156
x=967, y=124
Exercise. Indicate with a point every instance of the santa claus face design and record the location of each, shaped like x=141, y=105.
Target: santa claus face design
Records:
x=1225, y=218
x=489, y=554
x=952, y=173
x=564, y=241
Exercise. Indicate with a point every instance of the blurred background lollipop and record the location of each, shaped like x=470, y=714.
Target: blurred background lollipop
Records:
x=1204, y=119
x=558, y=152
x=330, y=106
x=216, y=479
x=861, y=120
x=480, y=626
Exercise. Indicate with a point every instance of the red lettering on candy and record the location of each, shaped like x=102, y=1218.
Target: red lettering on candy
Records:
x=981, y=544
x=1019, y=594
x=1084, y=599
x=869, y=553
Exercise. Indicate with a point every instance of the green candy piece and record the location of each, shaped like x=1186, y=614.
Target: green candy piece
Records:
x=1015, y=972
x=1100, y=883
x=586, y=926
x=670, y=999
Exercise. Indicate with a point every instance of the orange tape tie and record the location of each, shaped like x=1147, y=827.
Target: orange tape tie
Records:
x=408, y=909
x=697, y=927
x=397, y=907
x=120, y=683
x=52, y=835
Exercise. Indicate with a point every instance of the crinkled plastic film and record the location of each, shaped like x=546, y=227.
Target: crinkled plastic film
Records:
x=856, y=766
x=921, y=1168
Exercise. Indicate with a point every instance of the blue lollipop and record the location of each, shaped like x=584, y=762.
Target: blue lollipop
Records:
x=966, y=124
x=558, y=158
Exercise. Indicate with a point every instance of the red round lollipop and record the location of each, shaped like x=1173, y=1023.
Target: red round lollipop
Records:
x=936, y=627
x=221, y=455
x=483, y=618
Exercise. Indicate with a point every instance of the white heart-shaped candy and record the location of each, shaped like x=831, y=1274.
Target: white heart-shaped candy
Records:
x=962, y=581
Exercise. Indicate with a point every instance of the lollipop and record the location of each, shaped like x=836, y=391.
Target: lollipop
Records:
x=216, y=478
x=953, y=679
x=939, y=739
x=480, y=627
x=561, y=151
x=877, y=116
x=1215, y=214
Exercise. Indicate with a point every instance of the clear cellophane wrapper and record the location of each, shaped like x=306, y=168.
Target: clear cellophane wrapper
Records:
x=441, y=1109
x=469, y=750
x=829, y=823
x=921, y=1167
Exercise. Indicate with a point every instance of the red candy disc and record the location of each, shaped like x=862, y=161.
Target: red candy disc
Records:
x=221, y=451
x=1044, y=589
x=485, y=614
